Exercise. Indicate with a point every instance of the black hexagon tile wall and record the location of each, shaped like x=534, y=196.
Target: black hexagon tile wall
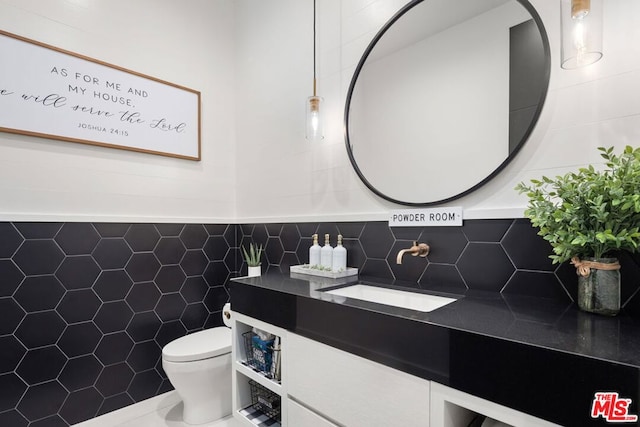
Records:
x=85, y=308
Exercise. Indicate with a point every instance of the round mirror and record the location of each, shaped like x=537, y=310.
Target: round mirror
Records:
x=444, y=97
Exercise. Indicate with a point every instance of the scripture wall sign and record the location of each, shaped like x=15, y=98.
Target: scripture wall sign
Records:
x=52, y=93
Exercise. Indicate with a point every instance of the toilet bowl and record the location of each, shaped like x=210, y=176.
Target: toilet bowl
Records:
x=199, y=368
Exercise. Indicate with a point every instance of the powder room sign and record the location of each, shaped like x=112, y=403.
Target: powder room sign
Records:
x=52, y=93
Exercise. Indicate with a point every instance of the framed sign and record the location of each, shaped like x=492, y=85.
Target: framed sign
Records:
x=52, y=93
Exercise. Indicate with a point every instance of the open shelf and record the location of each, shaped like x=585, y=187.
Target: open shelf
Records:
x=259, y=395
x=454, y=408
x=258, y=402
x=258, y=376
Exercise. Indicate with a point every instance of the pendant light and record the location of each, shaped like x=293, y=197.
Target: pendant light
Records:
x=581, y=26
x=314, y=128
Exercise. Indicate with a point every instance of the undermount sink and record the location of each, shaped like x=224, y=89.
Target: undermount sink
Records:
x=397, y=298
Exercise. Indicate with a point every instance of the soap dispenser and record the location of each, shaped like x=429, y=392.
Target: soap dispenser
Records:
x=326, y=253
x=314, y=251
x=339, y=262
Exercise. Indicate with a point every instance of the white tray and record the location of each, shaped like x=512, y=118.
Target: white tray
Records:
x=301, y=269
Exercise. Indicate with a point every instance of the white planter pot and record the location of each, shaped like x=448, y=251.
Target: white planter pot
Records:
x=254, y=271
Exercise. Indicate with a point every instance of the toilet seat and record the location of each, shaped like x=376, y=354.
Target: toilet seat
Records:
x=199, y=345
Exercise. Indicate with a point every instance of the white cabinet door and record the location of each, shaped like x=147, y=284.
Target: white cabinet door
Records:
x=299, y=416
x=352, y=390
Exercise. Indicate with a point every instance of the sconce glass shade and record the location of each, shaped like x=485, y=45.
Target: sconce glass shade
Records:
x=581, y=26
x=315, y=125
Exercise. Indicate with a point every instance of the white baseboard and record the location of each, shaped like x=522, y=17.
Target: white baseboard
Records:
x=134, y=411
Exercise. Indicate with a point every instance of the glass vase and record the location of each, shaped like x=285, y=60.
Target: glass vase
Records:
x=599, y=292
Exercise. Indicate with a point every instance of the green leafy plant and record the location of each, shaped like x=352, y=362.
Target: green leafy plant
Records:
x=252, y=257
x=589, y=213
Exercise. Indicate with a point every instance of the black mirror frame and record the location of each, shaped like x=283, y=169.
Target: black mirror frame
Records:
x=512, y=154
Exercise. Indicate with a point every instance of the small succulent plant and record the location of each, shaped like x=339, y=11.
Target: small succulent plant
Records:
x=252, y=257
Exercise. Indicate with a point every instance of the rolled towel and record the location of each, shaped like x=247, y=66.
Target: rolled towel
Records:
x=264, y=336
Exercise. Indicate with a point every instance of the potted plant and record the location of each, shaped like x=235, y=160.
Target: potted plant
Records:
x=252, y=258
x=587, y=217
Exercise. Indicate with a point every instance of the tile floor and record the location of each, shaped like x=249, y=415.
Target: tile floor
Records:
x=161, y=411
x=171, y=416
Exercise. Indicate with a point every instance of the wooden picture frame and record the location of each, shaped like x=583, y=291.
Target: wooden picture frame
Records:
x=53, y=93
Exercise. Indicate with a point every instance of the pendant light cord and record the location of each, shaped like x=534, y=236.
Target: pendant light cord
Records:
x=314, y=47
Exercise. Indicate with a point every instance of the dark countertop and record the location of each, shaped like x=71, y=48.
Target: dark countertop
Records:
x=539, y=356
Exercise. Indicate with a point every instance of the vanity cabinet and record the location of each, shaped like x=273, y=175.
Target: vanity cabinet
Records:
x=321, y=386
x=478, y=345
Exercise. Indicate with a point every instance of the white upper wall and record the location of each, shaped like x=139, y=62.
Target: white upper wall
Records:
x=282, y=177
x=189, y=43
x=252, y=61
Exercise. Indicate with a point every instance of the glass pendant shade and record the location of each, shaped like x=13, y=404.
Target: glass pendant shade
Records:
x=314, y=121
x=315, y=125
x=581, y=25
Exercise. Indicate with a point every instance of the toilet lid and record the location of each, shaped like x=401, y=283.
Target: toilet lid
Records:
x=199, y=345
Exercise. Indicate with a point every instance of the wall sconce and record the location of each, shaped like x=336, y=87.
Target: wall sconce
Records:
x=581, y=26
x=315, y=125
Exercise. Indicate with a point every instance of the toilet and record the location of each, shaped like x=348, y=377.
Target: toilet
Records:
x=199, y=368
